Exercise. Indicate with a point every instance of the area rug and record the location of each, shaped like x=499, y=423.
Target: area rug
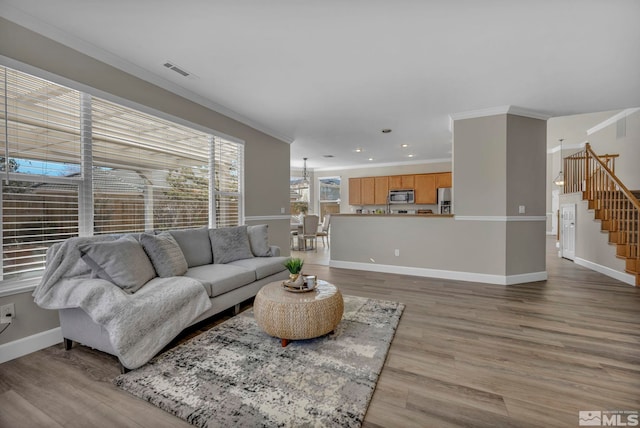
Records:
x=235, y=375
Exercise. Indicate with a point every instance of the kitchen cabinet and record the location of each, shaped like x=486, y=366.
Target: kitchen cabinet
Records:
x=355, y=194
x=381, y=188
x=401, y=182
x=375, y=190
x=443, y=180
x=367, y=190
x=425, y=189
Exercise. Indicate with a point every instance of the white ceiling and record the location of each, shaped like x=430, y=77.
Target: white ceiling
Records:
x=330, y=75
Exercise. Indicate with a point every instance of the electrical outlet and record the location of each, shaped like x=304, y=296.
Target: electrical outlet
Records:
x=281, y=210
x=397, y=252
x=521, y=209
x=7, y=312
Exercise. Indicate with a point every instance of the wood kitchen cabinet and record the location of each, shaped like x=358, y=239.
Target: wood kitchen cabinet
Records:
x=355, y=194
x=443, y=180
x=367, y=190
x=375, y=190
x=381, y=188
x=425, y=189
x=401, y=182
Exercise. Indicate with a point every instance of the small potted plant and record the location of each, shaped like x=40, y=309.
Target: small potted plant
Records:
x=294, y=266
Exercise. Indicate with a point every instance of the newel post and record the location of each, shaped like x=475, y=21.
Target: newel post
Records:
x=587, y=171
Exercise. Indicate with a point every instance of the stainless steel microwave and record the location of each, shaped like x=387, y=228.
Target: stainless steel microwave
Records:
x=401, y=196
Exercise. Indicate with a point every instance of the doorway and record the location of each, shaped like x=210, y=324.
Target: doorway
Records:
x=568, y=231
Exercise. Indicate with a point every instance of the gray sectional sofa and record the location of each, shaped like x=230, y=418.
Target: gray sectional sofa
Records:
x=131, y=295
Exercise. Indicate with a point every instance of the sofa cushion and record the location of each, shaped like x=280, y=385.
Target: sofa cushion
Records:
x=263, y=266
x=230, y=243
x=122, y=262
x=259, y=240
x=195, y=245
x=165, y=254
x=218, y=279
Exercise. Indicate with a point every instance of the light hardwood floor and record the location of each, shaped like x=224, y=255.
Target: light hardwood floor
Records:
x=464, y=354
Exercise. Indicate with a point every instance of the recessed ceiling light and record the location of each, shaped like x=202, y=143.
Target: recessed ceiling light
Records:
x=386, y=130
x=411, y=155
x=328, y=156
x=358, y=150
x=404, y=146
x=370, y=159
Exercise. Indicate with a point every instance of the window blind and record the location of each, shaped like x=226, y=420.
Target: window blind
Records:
x=228, y=166
x=40, y=150
x=42, y=122
x=148, y=173
x=121, y=171
x=34, y=217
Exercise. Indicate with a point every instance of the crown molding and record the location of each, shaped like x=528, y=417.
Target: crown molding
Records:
x=613, y=119
x=58, y=35
x=494, y=111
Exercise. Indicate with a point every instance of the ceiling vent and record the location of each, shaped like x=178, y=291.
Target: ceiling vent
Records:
x=179, y=70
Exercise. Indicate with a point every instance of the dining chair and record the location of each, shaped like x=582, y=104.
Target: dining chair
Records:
x=309, y=231
x=324, y=231
x=295, y=230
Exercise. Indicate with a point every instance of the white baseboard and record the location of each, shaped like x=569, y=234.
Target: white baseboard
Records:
x=443, y=274
x=620, y=276
x=29, y=344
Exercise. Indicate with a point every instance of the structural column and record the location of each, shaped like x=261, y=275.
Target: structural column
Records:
x=499, y=162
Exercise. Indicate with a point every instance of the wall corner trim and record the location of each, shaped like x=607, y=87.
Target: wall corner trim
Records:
x=29, y=344
x=443, y=274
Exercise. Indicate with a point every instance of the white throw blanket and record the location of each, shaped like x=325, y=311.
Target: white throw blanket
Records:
x=140, y=324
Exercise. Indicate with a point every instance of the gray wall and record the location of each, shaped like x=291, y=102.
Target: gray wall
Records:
x=480, y=166
x=440, y=243
x=266, y=158
x=526, y=161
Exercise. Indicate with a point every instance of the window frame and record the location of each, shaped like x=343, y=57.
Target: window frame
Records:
x=83, y=181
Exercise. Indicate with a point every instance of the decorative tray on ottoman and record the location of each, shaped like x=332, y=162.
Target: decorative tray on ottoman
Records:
x=304, y=288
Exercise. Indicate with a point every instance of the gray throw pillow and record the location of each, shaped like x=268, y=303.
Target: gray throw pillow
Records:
x=230, y=244
x=195, y=245
x=122, y=262
x=259, y=240
x=165, y=254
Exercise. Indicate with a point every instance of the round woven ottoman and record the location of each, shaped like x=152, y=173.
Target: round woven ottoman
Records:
x=290, y=316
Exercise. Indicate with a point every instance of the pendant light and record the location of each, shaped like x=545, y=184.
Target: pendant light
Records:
x=559, y=180
x=305, y=173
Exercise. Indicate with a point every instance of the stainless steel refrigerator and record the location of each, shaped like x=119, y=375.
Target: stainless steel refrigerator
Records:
x=444, y=200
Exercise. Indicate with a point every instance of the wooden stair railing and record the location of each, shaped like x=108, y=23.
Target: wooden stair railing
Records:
x=614, y=205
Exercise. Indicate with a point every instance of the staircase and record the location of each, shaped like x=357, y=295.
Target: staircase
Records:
x=614, y=205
